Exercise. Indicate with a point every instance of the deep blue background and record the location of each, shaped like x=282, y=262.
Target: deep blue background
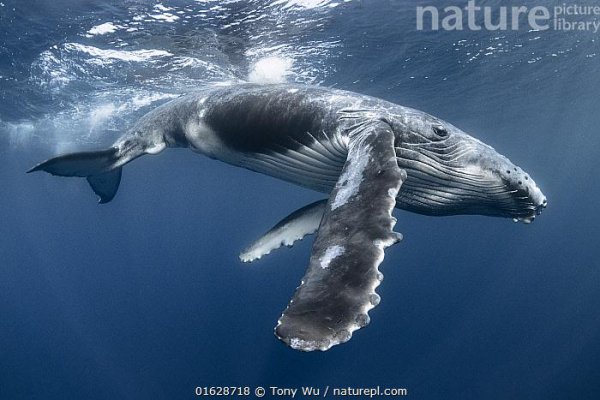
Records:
x=145, y=297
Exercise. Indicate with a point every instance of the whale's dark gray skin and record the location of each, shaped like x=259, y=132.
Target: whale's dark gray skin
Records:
x=367, y=154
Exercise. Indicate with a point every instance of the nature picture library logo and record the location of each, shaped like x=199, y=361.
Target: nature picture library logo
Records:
x=563, y=17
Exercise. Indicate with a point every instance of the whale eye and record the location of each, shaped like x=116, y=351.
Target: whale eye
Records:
x=440, y=130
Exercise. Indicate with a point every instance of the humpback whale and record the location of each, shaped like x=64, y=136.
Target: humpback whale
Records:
x=367, y=155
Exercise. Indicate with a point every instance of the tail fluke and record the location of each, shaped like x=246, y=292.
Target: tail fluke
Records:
x=106, y=185
x=81, y=164
x=99, y=167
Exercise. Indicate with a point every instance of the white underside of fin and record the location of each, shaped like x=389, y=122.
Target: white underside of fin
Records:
x=291, y=229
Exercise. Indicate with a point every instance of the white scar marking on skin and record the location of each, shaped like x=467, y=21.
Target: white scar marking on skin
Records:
x=330, y=254
x=351, y=178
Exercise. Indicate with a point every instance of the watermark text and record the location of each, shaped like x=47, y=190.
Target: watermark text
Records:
x=565, y=17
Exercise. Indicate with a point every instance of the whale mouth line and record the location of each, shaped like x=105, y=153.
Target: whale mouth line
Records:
x=537, y=210
x=436, y=188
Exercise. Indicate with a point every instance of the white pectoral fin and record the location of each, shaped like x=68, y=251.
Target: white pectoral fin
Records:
x=338, y=288
x=292, y=228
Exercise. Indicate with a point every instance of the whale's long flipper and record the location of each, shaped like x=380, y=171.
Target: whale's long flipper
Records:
x=292, y=228
x=339, y=286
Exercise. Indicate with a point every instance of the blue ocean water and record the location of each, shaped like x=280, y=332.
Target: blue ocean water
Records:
x=145, y=297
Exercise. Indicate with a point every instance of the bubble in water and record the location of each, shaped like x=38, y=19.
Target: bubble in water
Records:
x=270, y=70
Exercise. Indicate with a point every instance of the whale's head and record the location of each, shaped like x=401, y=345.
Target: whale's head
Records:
x=450, y=172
